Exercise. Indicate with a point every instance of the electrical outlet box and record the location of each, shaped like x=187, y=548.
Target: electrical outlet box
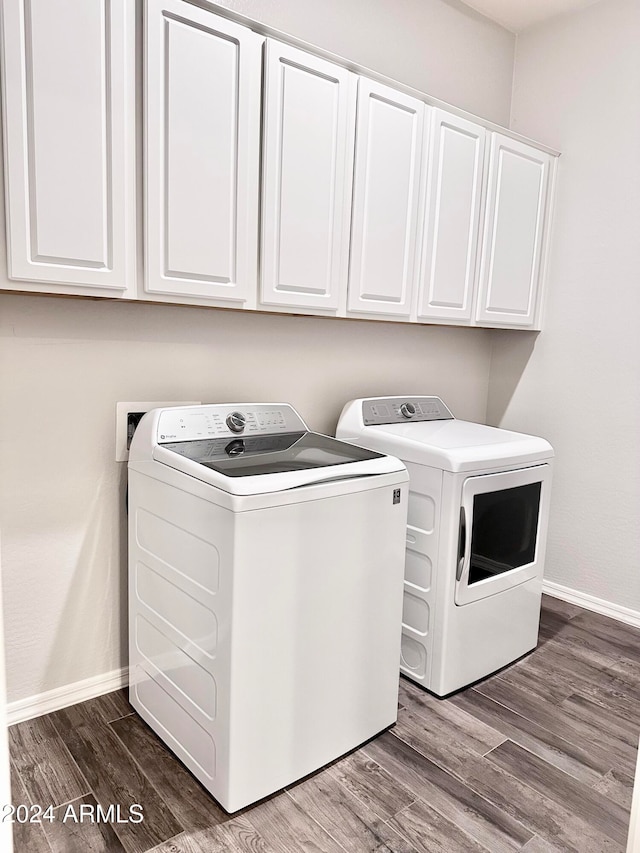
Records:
x=128, y=416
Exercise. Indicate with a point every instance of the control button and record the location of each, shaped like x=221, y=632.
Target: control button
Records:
x=407, y=410
x=236, y=421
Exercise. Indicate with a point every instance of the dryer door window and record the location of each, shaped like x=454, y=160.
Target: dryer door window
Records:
x=504, y=530
x=503, y=520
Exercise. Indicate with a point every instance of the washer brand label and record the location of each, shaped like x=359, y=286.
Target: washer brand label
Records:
x=396, y=496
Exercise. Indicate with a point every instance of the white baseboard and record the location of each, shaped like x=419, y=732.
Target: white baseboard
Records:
x=590, y=602
x=62, y=697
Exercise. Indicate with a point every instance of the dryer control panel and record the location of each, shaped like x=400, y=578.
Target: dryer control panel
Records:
x=220, y=421
x=391, y=410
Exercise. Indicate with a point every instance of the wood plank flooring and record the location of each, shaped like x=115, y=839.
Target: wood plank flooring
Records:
x=539, y=758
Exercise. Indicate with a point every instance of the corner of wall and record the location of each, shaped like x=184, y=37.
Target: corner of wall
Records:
x=516, y=44
x=488, y=415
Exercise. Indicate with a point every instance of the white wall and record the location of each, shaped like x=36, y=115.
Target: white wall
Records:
x=576, y=87
x=64, y=364
x=441, y=47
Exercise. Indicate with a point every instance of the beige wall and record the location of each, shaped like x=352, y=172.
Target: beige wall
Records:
x=576, y=86
x=64, y=364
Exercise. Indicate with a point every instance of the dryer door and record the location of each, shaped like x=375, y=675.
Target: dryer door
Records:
x=503, y=522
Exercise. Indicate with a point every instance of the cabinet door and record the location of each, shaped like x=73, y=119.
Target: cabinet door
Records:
x=69, y=133
x=202, y=137
x=307, y=165
x=452, y=224
x=389, y=133
x=514, y=230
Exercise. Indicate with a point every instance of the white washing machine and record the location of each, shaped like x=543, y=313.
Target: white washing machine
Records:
x=476, y=534
x=265, y=593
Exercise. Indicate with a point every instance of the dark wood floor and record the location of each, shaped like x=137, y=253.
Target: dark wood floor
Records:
x=538, y=758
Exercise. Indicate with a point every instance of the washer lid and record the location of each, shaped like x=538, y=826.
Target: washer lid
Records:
x=250, y=448
x=275, y=463
x=455, y=445
x=270, y=454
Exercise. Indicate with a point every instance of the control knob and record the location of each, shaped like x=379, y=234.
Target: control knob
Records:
x=407, y=410
x=236, y=421
x=235, y=447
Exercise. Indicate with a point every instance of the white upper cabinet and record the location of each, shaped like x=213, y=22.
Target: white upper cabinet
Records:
x=309, y=115
x=202, y=154
x=271, y=178
x=450, y=242
x=515, y=225
x=68, y=92
x=389, y=136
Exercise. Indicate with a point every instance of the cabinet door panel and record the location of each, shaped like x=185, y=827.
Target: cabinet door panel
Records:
x=514, y=231
x=455, y=173
x=69, y=79
x=308, y=149
x=202, y=153
x=389, y=134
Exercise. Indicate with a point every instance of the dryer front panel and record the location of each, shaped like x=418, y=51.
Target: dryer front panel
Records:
x=502, y=536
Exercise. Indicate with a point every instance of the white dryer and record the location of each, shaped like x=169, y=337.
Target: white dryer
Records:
x=476, y=534
x=265, y=593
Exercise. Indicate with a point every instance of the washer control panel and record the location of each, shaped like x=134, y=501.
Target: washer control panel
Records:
x=198, y=422
x=392, y=410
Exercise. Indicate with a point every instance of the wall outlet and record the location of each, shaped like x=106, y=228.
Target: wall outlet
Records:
x=128, y=417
